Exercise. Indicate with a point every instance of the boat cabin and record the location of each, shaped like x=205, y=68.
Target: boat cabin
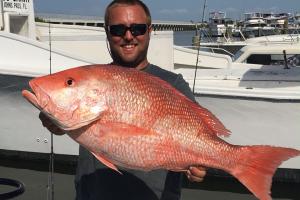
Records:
x=277, y=54
x=17, y=16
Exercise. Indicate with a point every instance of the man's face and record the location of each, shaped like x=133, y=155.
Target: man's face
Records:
x=128, y=50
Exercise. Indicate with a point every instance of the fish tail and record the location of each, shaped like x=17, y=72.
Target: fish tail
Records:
x=257, y=165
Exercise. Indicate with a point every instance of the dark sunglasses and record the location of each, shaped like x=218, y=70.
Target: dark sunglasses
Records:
x=121, y=29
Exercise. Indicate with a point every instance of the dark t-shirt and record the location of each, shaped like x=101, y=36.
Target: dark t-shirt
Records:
x=95, y=181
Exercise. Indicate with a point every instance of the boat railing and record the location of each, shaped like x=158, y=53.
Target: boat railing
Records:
x=287, y=38
x=2, y=17
x=204, y=33
x=295, y=37
x=211, y=49
x=241, y=34
x=214, y=49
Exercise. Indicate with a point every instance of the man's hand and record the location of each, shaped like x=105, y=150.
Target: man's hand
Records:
x=50, y=125
x=196, y=174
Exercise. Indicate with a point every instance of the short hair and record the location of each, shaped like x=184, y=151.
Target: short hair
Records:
x=127, y=2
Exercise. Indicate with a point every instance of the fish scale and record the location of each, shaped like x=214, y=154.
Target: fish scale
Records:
x=129, y=118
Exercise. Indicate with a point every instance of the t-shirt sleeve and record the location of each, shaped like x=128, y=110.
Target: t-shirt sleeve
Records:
x=176, y=80
x=182, y=86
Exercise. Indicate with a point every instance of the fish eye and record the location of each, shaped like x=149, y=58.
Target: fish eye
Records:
x=70, y=82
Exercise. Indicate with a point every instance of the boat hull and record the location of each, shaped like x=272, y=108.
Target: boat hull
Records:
x=254, y=121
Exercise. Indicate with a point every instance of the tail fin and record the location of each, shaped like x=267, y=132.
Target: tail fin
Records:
x=258, y=165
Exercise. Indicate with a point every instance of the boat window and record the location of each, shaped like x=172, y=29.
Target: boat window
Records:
x=256, y=25
x=264, y=59
x=293, y=60
x=19, y=25
x=274, y=59
x=237, y=55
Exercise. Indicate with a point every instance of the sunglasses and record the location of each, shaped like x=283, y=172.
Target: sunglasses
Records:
x=121, y=29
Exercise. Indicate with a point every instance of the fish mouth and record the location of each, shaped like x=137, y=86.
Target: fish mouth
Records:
x=40, y=99
x=36, y=96
x=31, y=98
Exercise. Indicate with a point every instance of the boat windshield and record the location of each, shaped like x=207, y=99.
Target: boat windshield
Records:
x=237, y=55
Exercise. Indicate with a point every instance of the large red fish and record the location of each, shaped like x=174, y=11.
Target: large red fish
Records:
x=131, y=119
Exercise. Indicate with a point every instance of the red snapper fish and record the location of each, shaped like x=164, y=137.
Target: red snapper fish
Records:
x=129, y=118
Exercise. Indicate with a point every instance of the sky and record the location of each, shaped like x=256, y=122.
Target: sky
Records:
x=172, y=10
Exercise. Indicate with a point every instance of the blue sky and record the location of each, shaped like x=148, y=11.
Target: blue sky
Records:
x=179, y=10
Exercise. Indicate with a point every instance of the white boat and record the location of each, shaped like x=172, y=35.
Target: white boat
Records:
x=297, y=19
x=259, y=59
x=235, y=92
x=232, y=45
x=275, y=39
x=219, y=25
x=255, y=25
x=269, y=54
x=216, y=24
x=255, y=55
x=275, y=22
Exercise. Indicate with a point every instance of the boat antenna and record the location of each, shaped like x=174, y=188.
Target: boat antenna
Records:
x=198, y=47
x=50, y=186
x=50, y=48
x=2, y=16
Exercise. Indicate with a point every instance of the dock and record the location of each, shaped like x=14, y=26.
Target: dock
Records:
x=96, y=21
x=34, y=175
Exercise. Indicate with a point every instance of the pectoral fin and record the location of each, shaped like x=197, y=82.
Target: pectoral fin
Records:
x=106, y=162
x=123, y=129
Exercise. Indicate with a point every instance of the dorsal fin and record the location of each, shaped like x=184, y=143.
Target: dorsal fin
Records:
x=208, y=118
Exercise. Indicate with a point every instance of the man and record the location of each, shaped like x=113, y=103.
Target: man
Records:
x=128, y=29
